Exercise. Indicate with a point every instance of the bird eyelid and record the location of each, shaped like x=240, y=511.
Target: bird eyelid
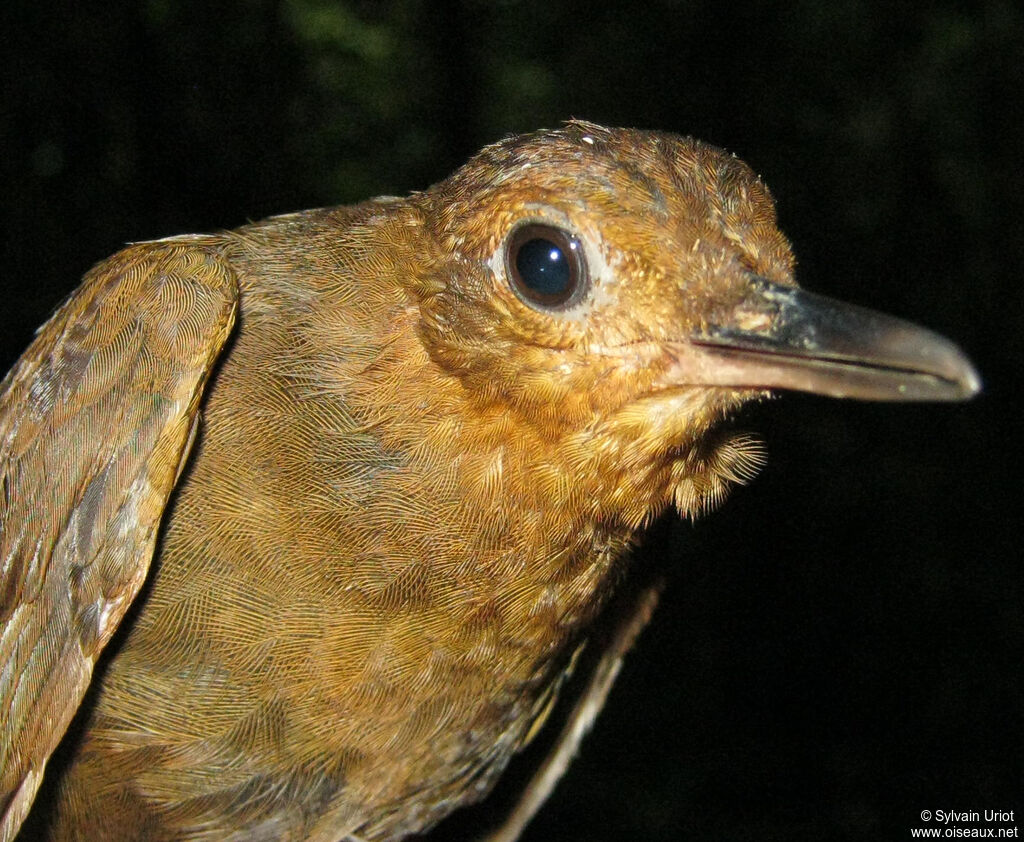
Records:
x=565, y=296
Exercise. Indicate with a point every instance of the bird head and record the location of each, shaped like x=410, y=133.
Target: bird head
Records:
x=625, y=290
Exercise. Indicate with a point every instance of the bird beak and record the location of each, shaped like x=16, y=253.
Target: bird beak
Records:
x=783, y=337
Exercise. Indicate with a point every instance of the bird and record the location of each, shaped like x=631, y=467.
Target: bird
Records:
x=350, y=488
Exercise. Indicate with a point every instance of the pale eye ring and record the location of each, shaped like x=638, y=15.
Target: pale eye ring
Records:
x=545, y=266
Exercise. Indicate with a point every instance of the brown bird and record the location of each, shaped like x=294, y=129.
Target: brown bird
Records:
x=423, y=434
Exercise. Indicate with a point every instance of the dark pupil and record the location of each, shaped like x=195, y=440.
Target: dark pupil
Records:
x=544, y=267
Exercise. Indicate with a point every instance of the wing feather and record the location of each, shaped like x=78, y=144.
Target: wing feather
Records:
x=96, y=420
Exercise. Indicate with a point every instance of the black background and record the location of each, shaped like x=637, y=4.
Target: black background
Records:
x=841, y=646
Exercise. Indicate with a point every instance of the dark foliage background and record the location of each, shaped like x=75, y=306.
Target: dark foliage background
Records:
x=841, y=647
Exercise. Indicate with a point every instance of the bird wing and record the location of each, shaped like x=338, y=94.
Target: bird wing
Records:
x=96, y=420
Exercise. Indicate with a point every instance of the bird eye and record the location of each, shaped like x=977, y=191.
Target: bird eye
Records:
x=545, y=265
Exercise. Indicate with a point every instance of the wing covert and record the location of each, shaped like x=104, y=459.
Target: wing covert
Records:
x=96, y=419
